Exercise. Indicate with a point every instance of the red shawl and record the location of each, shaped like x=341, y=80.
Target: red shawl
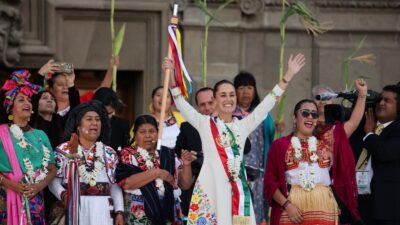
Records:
x=342, y=173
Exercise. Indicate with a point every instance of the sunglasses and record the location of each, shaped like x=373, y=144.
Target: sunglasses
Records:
x=306, y=113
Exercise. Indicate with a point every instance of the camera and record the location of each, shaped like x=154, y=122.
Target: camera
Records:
x=64, y=67
x=338, y=112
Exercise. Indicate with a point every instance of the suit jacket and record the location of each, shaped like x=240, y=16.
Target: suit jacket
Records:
x=189, y=139
x=385, y=151
x=119, y=132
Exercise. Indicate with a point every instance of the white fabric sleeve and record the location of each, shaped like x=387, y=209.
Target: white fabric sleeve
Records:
x=250, y=122
x=116, y=195
x=189, y=113
x=56, y=187
x=365, y=137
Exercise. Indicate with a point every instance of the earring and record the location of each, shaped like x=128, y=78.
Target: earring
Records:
x=10, y=117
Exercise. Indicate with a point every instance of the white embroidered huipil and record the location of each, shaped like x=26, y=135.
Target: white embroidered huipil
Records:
x=212, y=196
x=94, y=210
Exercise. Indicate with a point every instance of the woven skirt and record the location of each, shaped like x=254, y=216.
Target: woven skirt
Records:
x=318, y=206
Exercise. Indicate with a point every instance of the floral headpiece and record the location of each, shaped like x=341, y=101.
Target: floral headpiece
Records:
x=18, y=83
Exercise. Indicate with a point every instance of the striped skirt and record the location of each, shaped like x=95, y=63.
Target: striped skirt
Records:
x=317, y=206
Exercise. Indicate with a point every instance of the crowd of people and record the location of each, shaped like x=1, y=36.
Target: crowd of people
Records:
x=68, y=159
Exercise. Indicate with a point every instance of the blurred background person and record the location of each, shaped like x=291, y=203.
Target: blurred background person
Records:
x=119, y=126
x=172, y=121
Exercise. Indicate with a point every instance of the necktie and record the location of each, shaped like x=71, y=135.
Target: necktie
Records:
x=363, y=159
x=378, y=129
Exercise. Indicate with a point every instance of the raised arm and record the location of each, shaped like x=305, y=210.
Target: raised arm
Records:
x=107, y=80
x=261, y=111
x=358, y=112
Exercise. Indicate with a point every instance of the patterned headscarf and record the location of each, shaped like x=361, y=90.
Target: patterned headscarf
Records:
x=77, y=114
x=18, y=83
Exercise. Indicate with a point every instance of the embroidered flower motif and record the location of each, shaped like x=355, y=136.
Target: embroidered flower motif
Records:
x=195, y=198
x=200, y=208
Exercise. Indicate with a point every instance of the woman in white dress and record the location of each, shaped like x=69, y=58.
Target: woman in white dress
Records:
x=221, y=194
x=101, y=201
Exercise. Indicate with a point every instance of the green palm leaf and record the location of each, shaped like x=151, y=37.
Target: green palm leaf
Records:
x=119, y=39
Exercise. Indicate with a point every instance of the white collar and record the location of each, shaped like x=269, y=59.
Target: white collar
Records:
x=385, y=124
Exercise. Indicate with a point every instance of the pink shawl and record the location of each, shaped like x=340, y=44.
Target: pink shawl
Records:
x=14, y=200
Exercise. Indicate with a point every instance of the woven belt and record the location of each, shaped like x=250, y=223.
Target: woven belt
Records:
x=100, y=189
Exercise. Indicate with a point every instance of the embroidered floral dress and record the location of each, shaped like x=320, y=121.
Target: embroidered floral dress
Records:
x=35, y=140
x=134, y=200
x=212, y=195
x=98, y=200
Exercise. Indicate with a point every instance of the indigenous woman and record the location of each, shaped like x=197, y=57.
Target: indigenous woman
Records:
x=100, y=197
x=261, y=138
x=27, y=160
x=221, y=194
x=299, y=172
x=172, y=119
x=150, y=178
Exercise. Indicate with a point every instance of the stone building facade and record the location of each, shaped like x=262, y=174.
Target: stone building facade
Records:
x=77, y=31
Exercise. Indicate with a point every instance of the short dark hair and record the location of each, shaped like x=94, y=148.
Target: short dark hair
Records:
x=301, y=102
x=50, y=82
x=247, y=79
x=203, y=89
x=394, y=89
x=108, y=97
x=219, y=83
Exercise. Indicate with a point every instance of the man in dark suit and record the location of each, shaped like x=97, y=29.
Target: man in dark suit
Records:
x=382, y=141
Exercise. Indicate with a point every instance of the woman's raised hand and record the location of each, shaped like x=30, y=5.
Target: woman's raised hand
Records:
x=361, y=87
x=296, y=63
x=167, y=63
x=49, y=69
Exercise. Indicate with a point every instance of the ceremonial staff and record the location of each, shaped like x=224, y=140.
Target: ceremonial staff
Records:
x=175, y=52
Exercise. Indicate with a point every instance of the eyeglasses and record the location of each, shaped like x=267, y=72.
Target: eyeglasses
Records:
x=306, y=113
